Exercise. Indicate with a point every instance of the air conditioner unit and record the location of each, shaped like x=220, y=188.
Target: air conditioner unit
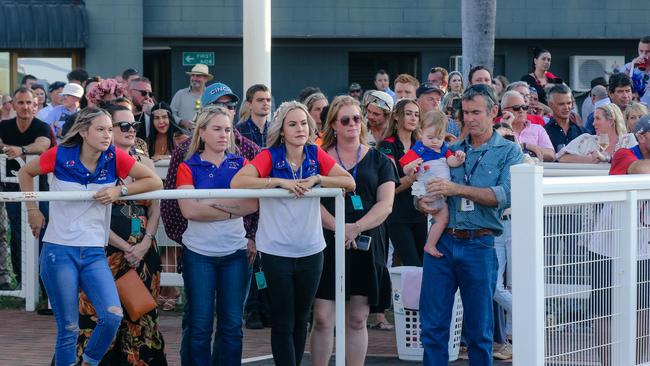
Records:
x=583, y=69
x=456, y=63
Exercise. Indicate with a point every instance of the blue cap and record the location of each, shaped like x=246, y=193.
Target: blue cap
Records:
x=215, y=91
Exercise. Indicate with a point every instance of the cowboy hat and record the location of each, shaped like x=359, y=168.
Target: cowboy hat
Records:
x=200, y=69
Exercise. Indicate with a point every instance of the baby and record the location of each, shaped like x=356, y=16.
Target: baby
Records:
x=430, y=158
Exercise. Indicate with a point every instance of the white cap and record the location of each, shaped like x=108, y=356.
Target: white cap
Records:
x=73, y=89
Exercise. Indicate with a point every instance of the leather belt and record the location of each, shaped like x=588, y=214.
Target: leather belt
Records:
x=469, y=234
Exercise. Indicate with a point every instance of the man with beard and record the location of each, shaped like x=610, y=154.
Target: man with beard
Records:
x=187, y=101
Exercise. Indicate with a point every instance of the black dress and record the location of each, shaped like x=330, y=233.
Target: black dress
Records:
x=363, y=269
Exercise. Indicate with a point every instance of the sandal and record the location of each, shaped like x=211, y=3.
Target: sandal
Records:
x=382, y=326
x=167, y=303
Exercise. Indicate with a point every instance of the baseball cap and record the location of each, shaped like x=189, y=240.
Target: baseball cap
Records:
x=642, y=125
x=380, y=99
x=354, y=87
x=427, y=88
x=55, y=85
x=73, y=89
x=215, y=91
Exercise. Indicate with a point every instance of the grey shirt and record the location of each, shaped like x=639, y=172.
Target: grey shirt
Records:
x=184, y=105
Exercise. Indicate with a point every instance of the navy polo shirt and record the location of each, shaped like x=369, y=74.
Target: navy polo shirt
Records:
x=558, y=137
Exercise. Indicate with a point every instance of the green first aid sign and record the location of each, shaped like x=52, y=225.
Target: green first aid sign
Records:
x=193, y=58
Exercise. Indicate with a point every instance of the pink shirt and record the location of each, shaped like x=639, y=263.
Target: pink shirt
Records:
x=536, y=135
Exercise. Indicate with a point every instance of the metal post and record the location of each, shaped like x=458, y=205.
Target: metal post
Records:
x=257, y=42
x=339, y=245
x=528, y=264
x=623, y=334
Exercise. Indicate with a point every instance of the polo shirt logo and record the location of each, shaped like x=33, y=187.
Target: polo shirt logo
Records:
x=69, y=163
x=102, y=175
x=233, y=165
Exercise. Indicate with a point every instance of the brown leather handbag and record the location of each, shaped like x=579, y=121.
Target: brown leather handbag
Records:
x=134, y=295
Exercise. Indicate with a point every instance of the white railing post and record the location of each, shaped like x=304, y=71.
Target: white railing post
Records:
x=623, y=335
x=339, y=252
x=29, y=257
x=528, y=264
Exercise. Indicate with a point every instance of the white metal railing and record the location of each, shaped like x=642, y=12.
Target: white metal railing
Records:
x=568, y=235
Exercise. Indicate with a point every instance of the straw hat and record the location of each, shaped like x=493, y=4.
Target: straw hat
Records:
x=200, y=69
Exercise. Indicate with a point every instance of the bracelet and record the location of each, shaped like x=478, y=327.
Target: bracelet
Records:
x=230, y=215
x=268, y=181
x=320, y=179
x=358, y=225
x=150, y=236
x=32, y=209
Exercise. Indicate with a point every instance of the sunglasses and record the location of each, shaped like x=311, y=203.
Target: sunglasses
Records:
x=355, y=91
x=484, y=90
x=518, y=107
x=126, y=126
x=378, y=102
x=345, y=120
x=229, y=105
x=145, y=93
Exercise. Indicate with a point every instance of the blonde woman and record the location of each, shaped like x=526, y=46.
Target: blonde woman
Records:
x=290, y=234
x=73, y=255
x=215, y=261
x=611, y=135
x=344, y=140
x=633, y=113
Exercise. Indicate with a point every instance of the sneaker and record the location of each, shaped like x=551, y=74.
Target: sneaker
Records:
x=253, y=321
x=504, y=352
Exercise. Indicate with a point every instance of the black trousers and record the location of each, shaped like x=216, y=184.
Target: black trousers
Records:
x=408, y=240
x=292, y=285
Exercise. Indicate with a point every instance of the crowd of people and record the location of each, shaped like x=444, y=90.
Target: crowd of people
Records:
x=425, y=167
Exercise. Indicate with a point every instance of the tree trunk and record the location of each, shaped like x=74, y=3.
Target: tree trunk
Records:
x=478, y=19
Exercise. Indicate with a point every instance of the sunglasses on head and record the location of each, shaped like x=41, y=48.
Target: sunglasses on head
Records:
x=229, y=105
x=518, y=107
x=145, y=93
x=126, y=126
x=345, y=120
x=484, y=90
x=378, y=102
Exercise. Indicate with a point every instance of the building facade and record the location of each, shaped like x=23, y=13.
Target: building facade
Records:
x=325, y=43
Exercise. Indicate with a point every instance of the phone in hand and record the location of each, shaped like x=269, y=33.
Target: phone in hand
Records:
x=363, y=242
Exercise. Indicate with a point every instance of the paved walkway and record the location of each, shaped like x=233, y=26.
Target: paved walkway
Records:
x=28, y=339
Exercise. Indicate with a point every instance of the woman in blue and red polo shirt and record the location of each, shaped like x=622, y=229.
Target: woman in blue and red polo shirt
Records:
x=73, y=251
x=215, y=261
x=290, y=233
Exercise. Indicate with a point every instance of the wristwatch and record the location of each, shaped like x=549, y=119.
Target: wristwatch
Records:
x=124, y=191
x=23, y=150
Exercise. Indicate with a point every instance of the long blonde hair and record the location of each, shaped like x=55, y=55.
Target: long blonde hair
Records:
x=274, y=137
x=397, y=117
x=612, y=111
x=82, y=122
x=202, y=121
x=329, y=135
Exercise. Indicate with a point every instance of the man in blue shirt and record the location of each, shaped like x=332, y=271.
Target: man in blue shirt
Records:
x=258, y=101
x=478, y=192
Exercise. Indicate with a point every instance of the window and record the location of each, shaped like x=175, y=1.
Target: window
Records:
x=46, y=69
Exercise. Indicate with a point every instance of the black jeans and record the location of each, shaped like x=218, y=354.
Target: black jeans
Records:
x=408, y=240
x=292, y=285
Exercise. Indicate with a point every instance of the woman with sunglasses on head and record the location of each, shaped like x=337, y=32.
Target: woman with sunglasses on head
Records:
x=164, y=135
x=344, y=140
x=406, y=225
x=290, y=233
x=132, y=244
x=215, y=261
x=73, y=255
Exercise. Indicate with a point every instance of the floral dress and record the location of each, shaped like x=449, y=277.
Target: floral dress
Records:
x=136, y=343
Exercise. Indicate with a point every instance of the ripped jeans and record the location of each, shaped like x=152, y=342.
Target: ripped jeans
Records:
x=64, y=269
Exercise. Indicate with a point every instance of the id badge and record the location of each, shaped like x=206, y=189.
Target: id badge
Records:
x=466, y=205
x=135, y=226
x=357, y=204
x=260, y=279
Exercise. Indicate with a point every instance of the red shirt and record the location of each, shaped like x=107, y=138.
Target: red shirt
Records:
x=622, y=160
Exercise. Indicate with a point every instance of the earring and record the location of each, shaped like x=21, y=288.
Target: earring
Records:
x=282, y=139
x=334, y=133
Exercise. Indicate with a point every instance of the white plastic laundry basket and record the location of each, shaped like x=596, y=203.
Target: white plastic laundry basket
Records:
x=407, y=322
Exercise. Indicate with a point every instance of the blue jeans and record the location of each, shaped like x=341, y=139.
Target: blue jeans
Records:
x=224, y=279
x=470, y=265
x=63, y=270
x=503, y=296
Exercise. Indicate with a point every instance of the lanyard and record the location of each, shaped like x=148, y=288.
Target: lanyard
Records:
x=293, y=172
x=356, y=165
x=471, y=173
